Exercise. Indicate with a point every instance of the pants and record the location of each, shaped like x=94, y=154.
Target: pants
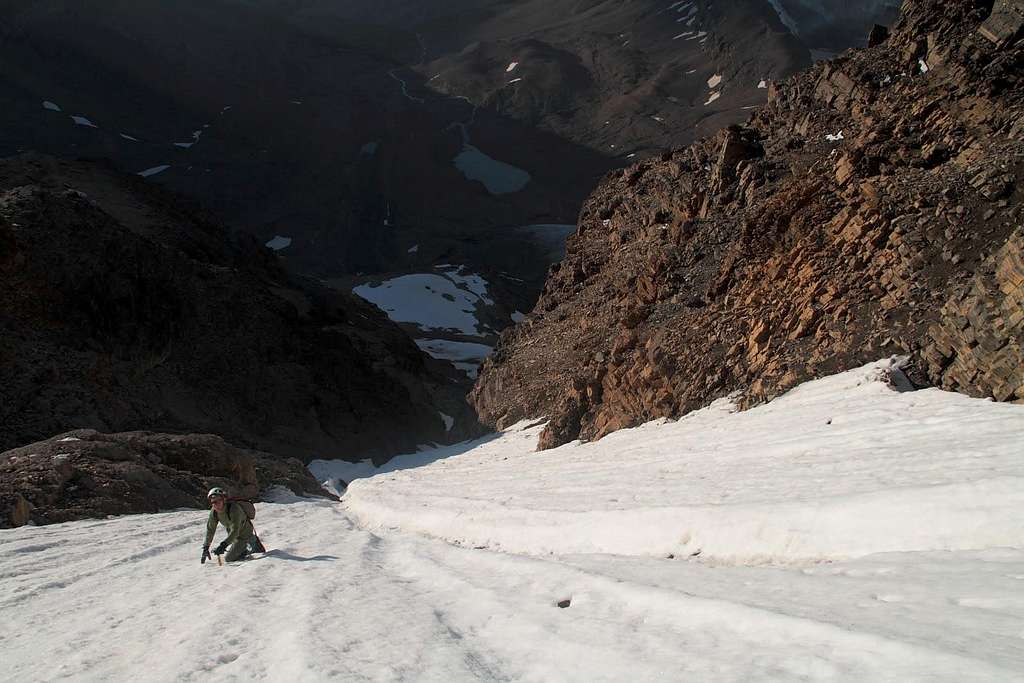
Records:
x=238, y=549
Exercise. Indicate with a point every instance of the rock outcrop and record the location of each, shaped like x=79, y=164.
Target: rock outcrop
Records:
x=86, y=474
x=873, y=207
x=121, y=308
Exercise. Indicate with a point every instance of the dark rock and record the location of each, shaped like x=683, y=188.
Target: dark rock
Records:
x=879, y=34
x=123, y=308
x=84, y=473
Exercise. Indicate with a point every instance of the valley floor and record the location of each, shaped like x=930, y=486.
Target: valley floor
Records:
x=402, y=580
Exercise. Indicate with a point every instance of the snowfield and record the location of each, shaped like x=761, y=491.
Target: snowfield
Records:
x=845, y=531
x=840, y=467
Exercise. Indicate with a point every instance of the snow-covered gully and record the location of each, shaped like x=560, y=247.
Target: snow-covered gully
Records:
x=402, y=580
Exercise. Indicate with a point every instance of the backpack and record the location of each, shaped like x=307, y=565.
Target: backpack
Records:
x=247, y=507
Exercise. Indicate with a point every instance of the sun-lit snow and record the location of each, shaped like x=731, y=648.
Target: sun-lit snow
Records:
x=714, y=96
x=841, y=467
x=511, y=67
x=278, y=243
x=714, y=81
x=835, y=137
x=154, y=171
x=920, y=491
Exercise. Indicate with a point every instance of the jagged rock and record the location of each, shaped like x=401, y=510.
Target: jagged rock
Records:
x=84, y=474
x=1005, y=22
x=864, y=235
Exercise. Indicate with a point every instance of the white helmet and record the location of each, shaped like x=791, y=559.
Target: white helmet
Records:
x=216, y=492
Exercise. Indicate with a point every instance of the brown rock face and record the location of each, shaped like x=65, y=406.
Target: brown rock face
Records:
x=85, y=474
x=122, y=308
x=872, y=208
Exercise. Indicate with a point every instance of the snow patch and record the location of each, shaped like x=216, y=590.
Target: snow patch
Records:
x=497, y=176
x=432, y=302
x=154, y=171
x=51, y=106
x=279, y=243
x=82, y=121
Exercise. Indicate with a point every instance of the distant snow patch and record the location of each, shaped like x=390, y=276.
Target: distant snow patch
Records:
x=279, y=243
x=82, y=121
x=129, y=137
x=517, y=317
x=514, y=80
x=511, y=67
x=714, y=96
x=497, y=176
x=153, y=171
x=51, y=106
x=763, y=84
x=413, y=249
x=431, y=302
x=448, y=420
x=835, y=137
x=924, y=66
x=714, y=81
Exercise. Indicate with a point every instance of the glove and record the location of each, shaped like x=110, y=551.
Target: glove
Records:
x=206, y=555
x=221, y=548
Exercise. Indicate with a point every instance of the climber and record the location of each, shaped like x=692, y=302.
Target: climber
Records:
x=236, y=520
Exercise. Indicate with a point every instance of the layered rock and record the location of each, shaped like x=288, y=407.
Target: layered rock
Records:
x=122, y=309
x=86, y=474
x=868, y=210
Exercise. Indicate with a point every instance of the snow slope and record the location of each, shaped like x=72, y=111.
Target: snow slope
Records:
x=127, y=598
x=842, y=466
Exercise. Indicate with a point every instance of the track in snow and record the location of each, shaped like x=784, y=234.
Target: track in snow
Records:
x=109, y=599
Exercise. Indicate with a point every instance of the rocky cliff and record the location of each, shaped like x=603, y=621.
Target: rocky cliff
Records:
x=871, y=208
x=121, y=308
